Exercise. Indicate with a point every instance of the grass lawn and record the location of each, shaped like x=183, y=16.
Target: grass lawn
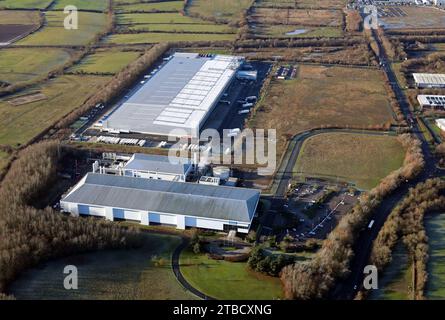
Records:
x=90, y=24
x=435, y=228
x=226, y=10
x=25, y=4
x=19, y=17
x=25, y=64
x=19, y=124
x=227, y=280
x=156, y=37
x=323, y=96
x=148, y=7
x=279, y=31
x=111, y=61
x=110, y=275
x=396, y=281
x=99, y=5
x=361, y=159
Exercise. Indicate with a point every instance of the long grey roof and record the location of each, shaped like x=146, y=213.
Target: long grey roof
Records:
x=178, y=96
x=191, y=199
x=147, y=162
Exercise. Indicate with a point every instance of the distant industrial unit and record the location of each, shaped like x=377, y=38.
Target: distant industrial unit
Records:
x=180, y=95
x=429, y=80
x=431, y=101
x=152, y=189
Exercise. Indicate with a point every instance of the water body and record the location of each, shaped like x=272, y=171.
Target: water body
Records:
x=296, y=32
x=114, y=274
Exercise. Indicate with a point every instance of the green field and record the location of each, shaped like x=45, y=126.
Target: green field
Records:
x=435, y=228
x=396, y=281
x=149, y=7
x=156, y=37
x=90, y=24
x=19, y=17
x=323, y=96
x=19, y=124
x=227, y=280
x=24, y=4
x=111, y=61
x=181, y=27
x=132, y=18
x=26, y=64
x=132, y=274
x=227, y=10
x=99, y=5
x=361, y=159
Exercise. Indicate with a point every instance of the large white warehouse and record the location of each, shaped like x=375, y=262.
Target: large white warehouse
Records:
x=181, y=95
x=152, y=201
x=429, y=80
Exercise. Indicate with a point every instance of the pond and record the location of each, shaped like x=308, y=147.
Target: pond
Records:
x=140, y=274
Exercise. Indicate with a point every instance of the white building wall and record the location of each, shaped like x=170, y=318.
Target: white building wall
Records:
x=147, y=218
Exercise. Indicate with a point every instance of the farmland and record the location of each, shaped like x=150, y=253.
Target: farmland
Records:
x=223, y=10
x=151, y=7
x=179, y=28
x=25, y=4
x=16, y=24
x=108, y=62
x=227, y=280
x=414, y=18
x=305, y=4
x=19, y=17
x=155, y=37
x=54, y=32
x=286, y=31
x=96, y=5
x=332, y=18
x=27, y=64
x=348, y=97
x=359, y=159
x=135, y=18
x=435, y=227
x=19, y=124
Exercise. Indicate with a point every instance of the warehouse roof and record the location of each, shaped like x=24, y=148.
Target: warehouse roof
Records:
x=156, y=163
x=178, y=96
x=429, y=78
x=431, y=100
x=217, y=202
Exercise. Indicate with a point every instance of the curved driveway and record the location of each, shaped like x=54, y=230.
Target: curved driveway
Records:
x=178, y=274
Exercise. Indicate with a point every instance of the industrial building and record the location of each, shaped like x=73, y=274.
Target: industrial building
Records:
x=431, y=101
x=158, y=167
x=429, y=80
x=153, y=201
x=180, y=95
